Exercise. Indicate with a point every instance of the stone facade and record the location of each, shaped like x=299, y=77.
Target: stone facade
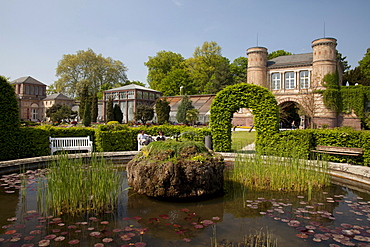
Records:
x=293, y=79
x=33, y=101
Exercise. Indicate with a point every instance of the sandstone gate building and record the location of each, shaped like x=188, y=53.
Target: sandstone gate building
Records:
x=293, y=80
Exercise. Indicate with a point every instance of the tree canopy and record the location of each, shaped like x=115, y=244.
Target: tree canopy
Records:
x=365, y=64
x=87, y=68
x=355, y=76
x=206, y=72
x=144, y=113
x=162, y=109
x=206, y=62
x=238, y=69
x=58, y=113
x=277, y=53
x=182, y=109
x=166, y=72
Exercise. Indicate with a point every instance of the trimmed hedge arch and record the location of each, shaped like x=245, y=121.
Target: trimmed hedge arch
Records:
x=262, y=103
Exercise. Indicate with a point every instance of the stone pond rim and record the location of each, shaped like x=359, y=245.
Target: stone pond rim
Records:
x=359, y=175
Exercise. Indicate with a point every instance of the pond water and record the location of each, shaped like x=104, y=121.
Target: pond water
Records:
x=335, y=216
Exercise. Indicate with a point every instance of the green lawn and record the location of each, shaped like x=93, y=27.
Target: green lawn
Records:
x=241, y=139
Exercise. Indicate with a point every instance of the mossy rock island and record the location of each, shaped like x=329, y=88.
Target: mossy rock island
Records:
x=176, y=170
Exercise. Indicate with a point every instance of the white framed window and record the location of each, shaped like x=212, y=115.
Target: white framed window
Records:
x=123, y=95
x=116, y=96
x=34, y=114
x=275, y=81
x=145, y=95
x=130, y=94
x=304, y=79
x=289, y=80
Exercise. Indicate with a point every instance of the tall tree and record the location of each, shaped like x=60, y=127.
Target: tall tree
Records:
x=203, y=65
x=176, y=79
x=365, y=64
x=144, y=113
x=343, y=62
x=278, y=53
x=87, y=68
x=117, y=114
x=94, y=108
x=355, y=76
x=238, y=69
x=221, y=78
x=110, y=114
x=184, y=106
x=84, y=97
x=162, y=109
x=87, y=114
x=160, y=66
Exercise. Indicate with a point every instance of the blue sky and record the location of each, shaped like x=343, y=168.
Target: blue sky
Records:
x=34, y=35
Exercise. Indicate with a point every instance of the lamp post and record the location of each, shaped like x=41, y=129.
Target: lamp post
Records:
x=181, y=90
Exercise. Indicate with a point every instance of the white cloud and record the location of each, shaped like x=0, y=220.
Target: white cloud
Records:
x=177, y=2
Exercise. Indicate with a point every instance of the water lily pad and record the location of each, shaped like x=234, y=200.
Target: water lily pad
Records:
x=10, y=232
x=302, y=235
x=59, y=239
x=207, y=222
x=140, y=244
x=52, y=236
x=74, y=241
x=28, y=238
x=44, y=242
x=107, y=240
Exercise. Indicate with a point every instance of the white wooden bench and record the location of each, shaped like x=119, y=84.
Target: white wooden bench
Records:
x=70, y=143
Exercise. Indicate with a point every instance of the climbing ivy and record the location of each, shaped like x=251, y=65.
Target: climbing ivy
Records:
x=259, y=100
x=345, y=99
x=348, y=99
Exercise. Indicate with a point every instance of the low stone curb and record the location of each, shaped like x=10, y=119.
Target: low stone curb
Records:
x=360, y=174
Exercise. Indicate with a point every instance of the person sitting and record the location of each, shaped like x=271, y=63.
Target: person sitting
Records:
x=160, y=136
x=142, y=138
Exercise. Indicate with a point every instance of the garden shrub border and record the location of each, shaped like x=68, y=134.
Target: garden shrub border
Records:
x=260, y=100
x=34, y=141
x=301, y=142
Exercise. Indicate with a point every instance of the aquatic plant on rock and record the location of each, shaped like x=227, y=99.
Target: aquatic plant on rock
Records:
x=176, y=170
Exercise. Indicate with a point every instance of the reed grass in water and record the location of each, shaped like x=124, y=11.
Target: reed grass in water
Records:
x=274, y=173
x=74, y=186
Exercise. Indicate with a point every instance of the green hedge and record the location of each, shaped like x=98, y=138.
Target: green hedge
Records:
x=111, y=138
x=301, y=142
x=287, y=143
x=9, y=120
x=28, y=142
x=33, y=143
x=229, y=100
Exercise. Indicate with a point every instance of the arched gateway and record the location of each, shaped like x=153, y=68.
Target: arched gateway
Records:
x=259, y=100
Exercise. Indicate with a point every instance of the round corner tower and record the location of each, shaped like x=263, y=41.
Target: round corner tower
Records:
x=324, y=58
x=257, y=66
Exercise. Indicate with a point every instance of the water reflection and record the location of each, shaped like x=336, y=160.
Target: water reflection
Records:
x=294, y=219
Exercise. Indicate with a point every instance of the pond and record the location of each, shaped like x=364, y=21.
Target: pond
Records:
x=335, y=216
